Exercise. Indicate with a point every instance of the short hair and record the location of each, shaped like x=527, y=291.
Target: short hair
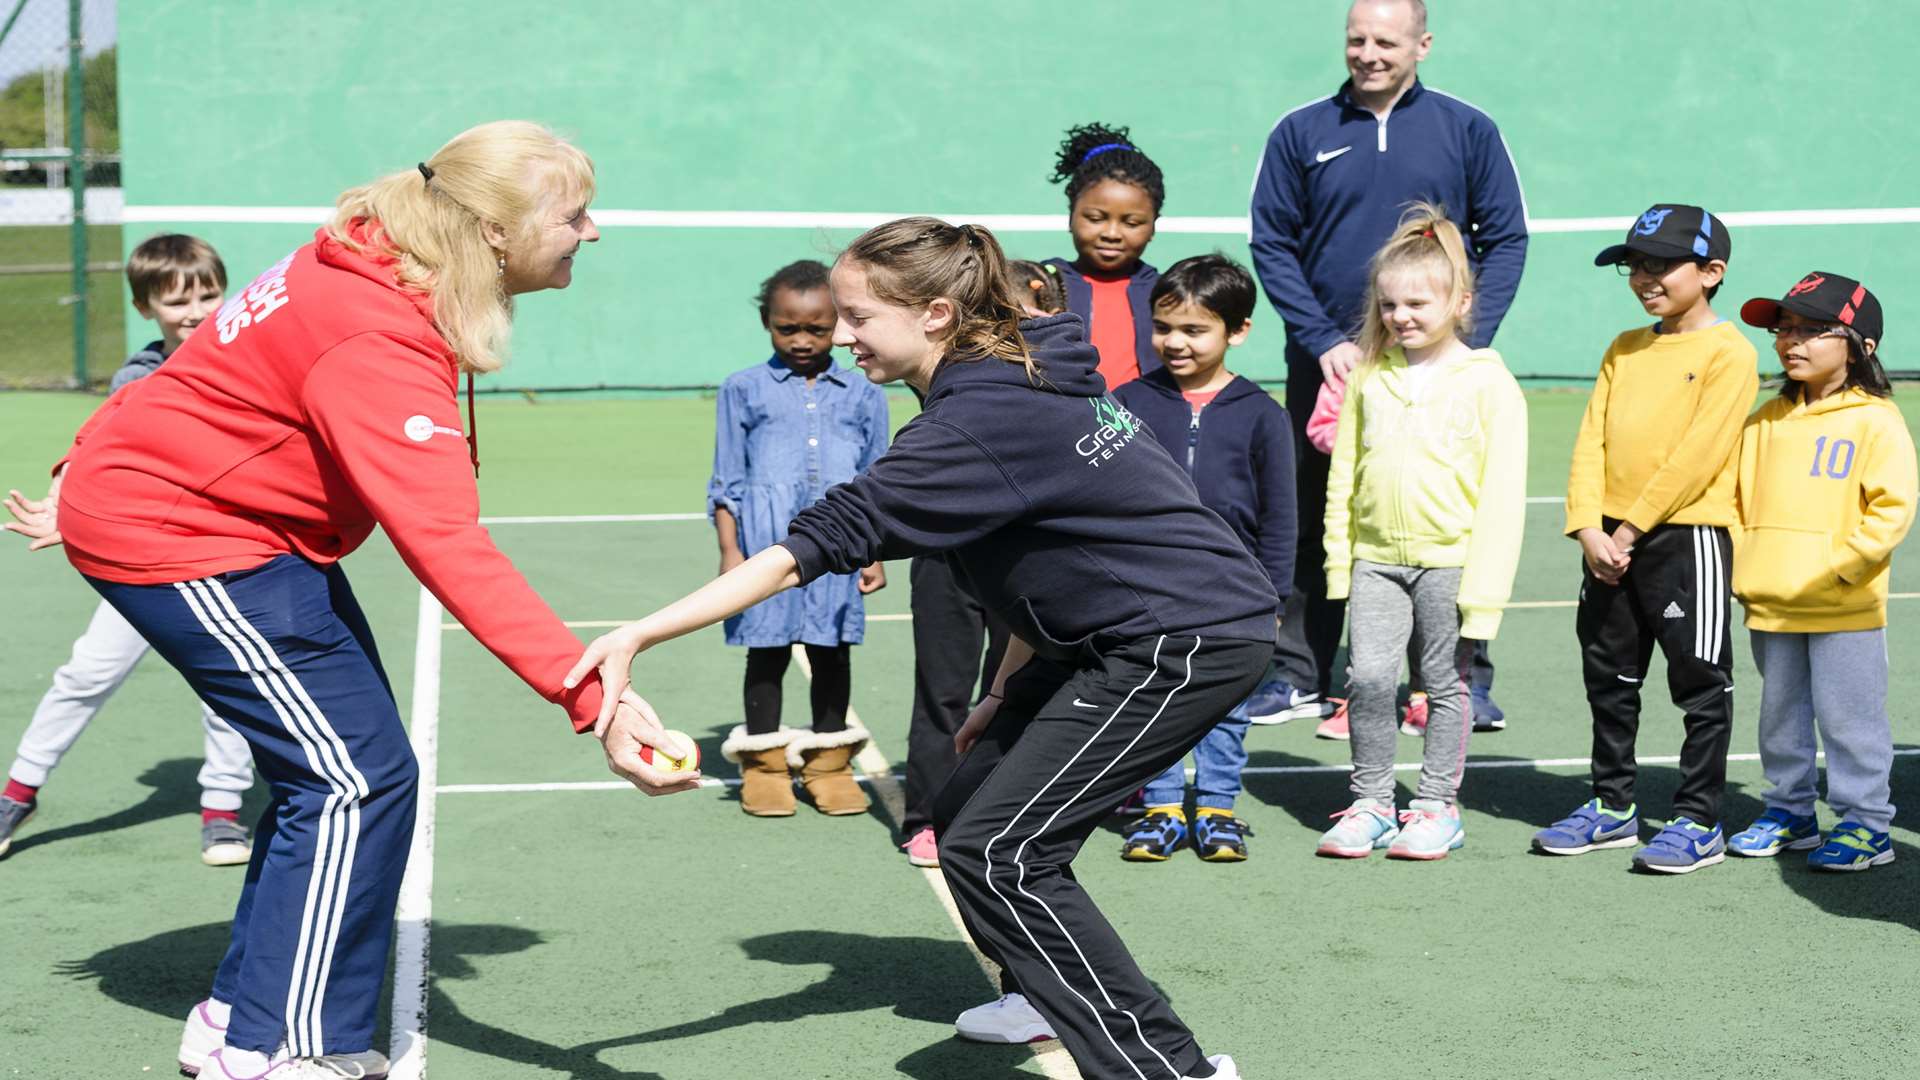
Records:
x=161, y=262
x=1419, y=11
x=803, y=276
x=1214, y=282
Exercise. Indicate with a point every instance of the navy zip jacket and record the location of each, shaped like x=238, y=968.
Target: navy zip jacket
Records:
x=1333, y=183
x=1139, y=298
x=1239, y=451
x=1058, y=513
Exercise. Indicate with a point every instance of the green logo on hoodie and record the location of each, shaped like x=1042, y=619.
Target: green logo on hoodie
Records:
x=1117, y=429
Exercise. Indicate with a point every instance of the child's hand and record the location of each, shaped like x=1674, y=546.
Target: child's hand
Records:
x=1624, y=538
x=976, y=724
x=1604, y=560
x=36, y=519
x=872, y=579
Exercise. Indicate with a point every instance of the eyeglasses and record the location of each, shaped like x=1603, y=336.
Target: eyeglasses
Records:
x=1806, y=332
x=1649, y=265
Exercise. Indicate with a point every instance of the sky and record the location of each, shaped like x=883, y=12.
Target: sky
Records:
x=40, y=35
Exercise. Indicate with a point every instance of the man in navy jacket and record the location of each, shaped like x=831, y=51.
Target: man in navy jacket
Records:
x=1336, y=176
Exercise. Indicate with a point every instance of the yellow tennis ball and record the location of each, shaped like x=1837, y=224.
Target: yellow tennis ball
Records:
x=685, y=757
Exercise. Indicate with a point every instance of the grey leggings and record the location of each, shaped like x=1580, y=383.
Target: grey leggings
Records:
x=1388, y=605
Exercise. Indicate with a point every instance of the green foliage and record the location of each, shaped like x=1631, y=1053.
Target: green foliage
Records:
x=23, y=105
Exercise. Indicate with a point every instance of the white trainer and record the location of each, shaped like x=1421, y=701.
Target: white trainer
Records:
x=203, y=1035
x=1223, y=1067
x=1009, y=1020
x=330, y=1067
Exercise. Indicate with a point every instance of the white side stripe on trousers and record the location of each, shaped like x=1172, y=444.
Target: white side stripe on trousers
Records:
x=339, y=824
x=1709, y=601
x=1021, y=874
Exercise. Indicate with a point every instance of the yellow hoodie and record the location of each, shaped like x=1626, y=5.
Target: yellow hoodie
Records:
x=1826, y=492
x=1437, y=478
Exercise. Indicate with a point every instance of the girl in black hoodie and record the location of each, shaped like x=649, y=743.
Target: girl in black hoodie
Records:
x=1138, y=619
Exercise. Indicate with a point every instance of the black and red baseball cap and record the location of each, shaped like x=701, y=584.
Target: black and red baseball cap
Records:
x=1672, y=231
x=1824, y=297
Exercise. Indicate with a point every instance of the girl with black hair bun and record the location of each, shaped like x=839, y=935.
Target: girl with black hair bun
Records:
x=1114, y=196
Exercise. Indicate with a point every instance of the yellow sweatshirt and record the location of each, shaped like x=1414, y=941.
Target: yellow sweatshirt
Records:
x=1434, y=474
x=1826, y=492
x=1656, y=445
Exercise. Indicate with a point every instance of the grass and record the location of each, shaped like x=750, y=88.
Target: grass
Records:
x=37, y=348
x=600, y=935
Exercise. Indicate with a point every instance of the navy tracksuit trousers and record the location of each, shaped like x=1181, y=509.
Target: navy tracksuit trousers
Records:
x=284, y=652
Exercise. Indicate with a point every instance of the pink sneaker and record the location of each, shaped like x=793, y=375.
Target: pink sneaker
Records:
x=1414, y=720
x=921, y=848
x=1335, y=726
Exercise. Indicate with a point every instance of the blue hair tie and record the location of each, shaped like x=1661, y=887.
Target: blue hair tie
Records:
x=1103, y=148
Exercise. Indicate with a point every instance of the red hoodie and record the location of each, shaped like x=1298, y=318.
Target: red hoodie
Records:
x=320, y=403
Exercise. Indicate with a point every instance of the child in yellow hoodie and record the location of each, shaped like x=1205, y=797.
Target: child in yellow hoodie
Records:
x=1826, y=491
x=1650, y=499
x=1426, y=504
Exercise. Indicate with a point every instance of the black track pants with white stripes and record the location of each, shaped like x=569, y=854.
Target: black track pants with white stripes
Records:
x=1677, y=592
x=1064, y=749
x=284, y=653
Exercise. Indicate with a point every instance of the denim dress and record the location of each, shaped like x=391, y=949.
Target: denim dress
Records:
x=778, y=445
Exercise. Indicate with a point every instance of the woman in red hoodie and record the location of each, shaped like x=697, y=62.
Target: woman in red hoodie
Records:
x=210, y=504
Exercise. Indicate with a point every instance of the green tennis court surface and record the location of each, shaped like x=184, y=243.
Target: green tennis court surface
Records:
x=594, y=933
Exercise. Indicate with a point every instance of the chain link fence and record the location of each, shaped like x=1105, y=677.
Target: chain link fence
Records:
x=53, y=80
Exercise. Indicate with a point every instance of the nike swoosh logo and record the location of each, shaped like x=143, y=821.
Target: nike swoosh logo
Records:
x=1325, y=156
x=1078, y=704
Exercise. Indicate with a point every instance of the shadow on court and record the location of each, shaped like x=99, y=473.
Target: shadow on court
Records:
x=1884, y=893
x=175, y=792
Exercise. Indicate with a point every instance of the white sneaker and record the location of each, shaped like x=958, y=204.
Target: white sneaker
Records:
x=361, y=1066
x=1009, y=1020
x=203, y=1035
x=1223, y=1067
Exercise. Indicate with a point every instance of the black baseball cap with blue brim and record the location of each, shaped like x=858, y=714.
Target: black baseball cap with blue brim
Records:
x=1672, y=231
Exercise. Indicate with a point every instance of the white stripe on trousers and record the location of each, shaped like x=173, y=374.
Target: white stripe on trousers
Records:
x=1709, y=601
x=339, y=823
x=1022, y=869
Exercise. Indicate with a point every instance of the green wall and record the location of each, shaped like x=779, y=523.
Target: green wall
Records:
x=919, y=107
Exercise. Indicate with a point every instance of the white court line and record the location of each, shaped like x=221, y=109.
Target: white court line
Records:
x=1251, y=770
x=413, y=928
x=1005, y=223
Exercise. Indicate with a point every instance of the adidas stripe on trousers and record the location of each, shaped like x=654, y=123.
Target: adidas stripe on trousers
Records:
x=1065, y=747
x=284, y=653
x=1677, y=594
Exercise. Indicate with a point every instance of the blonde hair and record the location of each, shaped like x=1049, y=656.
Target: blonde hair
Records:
x=433, y=219
x=911, y=262
x=1424, y=242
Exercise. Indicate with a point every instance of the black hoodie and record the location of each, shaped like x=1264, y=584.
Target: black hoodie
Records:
x=1061, y=514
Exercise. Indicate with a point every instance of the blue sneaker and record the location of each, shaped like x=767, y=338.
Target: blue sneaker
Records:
x=1852, y=846
x=1775, y=831
x=1486, y=715
x=1682, y=847
x=1157, y=836
x=1589, y=828
x=1219, y=836
x=1275, y=701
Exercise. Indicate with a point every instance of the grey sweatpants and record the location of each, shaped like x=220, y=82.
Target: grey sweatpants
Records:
x=1387, y=605
x=1838, y=682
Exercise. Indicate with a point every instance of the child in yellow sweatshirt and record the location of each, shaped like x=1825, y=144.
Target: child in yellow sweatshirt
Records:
x=1650, y=500
x=1826, y=491
x=1426, y=505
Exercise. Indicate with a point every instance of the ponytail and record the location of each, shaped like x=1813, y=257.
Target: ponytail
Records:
x=1424, y=242
x=911, y=262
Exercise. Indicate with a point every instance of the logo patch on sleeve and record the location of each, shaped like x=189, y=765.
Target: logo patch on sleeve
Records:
x=420, y=428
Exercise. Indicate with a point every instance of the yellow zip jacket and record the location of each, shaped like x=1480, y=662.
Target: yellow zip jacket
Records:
x=1438, y=481
x=1826, y=492
x=1657, y=442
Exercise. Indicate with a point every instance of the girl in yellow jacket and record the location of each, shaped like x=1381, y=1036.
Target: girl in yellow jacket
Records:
x=1426, y=501
x=1826, y=491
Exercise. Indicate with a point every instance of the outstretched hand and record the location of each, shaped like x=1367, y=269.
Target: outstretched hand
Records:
x=612, y=655
x=634, y=725
x=36, y=519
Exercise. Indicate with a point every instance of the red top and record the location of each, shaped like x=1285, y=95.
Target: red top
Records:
x=1200, y=399
x=320, y=403
x=1112, y=331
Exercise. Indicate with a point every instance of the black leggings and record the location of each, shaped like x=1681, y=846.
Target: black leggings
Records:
x=832, y=686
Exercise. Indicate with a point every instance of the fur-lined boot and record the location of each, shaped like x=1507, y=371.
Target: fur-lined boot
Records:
x=824, y=762
x=766, y=785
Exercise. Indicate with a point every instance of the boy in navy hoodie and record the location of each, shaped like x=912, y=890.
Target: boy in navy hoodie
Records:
x=1237, y=445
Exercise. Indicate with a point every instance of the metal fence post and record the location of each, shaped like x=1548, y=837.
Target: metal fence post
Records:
x=77, y=182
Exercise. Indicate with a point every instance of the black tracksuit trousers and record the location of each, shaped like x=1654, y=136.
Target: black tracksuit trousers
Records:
x=1677, y=593
x=1065, y=747
x=948, y=629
